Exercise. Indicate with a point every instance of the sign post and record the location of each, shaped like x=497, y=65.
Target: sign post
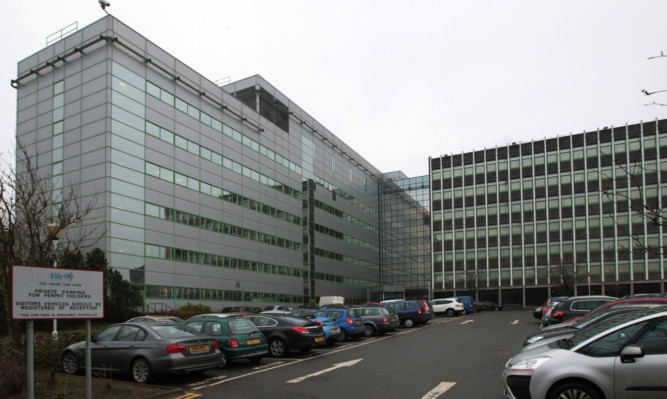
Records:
x=47, y=293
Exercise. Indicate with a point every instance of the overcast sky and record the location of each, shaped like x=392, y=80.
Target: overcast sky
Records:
x=398, y=81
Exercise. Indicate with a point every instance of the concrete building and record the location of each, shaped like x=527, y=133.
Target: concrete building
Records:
x=505, y=216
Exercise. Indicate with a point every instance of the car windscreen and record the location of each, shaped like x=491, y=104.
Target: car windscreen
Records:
x=174, y=330
x=242, y=326
x=611, y=323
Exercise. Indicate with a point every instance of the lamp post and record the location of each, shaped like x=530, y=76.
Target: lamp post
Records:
x=55, y=232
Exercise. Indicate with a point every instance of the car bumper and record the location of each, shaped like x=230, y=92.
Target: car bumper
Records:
x=257, y=350
x=178, y=363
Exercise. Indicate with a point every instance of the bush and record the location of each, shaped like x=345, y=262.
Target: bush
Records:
x=13, y=374
x=198, y=308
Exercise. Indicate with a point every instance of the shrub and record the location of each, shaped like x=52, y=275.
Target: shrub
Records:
x=13, y=374
x=198, y=308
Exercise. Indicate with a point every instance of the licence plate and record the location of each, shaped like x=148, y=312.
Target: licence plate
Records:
x=358, y=323
x=252, y=341
x=319, y=339
x=198, y=348
x=334, y=330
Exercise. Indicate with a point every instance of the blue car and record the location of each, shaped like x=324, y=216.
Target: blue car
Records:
x=331, y=329
x=349, y=321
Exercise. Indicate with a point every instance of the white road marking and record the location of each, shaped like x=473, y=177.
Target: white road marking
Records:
x=439, y=390
x=515, y=322
x=321, y=354
x=468, y=321
x=336, y=366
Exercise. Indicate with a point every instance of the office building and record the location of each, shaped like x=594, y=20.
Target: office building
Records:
x=503, y=217
x=215, y=195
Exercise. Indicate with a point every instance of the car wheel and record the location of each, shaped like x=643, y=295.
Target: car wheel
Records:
x=575, y=390
x=409, y=323
x=224, y=360
x=332, y=341
x=277, y=347
x=465, y=311
x=343, y=335
x=370, y=330
x=495, y=309
x=141, y=370
x=70, y=363
x=255, y=359
x=450, y=312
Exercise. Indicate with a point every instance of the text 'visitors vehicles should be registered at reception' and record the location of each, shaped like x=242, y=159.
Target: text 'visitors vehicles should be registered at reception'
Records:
x=49, y=293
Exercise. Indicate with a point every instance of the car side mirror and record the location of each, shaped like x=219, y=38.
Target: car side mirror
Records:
x=630, y=353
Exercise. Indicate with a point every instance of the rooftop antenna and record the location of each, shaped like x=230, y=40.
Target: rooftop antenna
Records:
x=104, y=4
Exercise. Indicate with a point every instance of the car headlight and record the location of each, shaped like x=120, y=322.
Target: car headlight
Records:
x=534, y=339
x=529, y=364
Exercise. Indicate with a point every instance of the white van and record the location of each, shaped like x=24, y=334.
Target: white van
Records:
x=331, y=300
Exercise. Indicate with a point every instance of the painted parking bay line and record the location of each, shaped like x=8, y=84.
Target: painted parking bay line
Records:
x=468, y=321
x=439, y=390
x=188, y=395
x=336, y=366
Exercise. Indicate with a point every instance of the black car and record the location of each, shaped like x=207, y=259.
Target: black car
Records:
x=287, y=332
x=574, y=307
x=488, y=305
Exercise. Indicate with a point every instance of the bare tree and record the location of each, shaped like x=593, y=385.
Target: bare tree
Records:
x=29, y=203
x=474, y=280
x=564, y=277
x=639, y=207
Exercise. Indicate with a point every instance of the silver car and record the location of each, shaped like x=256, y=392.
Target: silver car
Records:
x=622, y=357
x=144, y=350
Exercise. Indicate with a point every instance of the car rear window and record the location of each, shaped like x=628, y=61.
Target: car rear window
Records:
x=242, y=326
x=298, y=320
x=174, y=330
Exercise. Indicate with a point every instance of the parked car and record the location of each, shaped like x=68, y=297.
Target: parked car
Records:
x=286, y=332
x=329, y=326
x=574, y=307
x=348, y=319
x=144, y=350
x=242, y=310
x=609, y=306
x=156, y=318
x=489, y=305
x=546, y=314
x=378, y=320
x=410, y=312
x=621, y=357
x=538, y=312
x=468, y=303
x=450, y=307
x=238, y=337
x=277, y=309
x=546, y=336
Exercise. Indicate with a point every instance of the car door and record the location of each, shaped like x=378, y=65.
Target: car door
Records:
x=100, y=348
x=265, y=324
x=124, y=346
x=644, y=377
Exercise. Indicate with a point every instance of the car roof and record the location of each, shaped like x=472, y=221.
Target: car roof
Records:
x=215, y=315
x=154, y=318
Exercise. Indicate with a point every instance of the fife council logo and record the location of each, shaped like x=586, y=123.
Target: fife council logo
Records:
x=62, y=276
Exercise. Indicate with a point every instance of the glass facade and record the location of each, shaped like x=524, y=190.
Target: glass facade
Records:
x=509, y=214
x=203, y=196
x=405, y=237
